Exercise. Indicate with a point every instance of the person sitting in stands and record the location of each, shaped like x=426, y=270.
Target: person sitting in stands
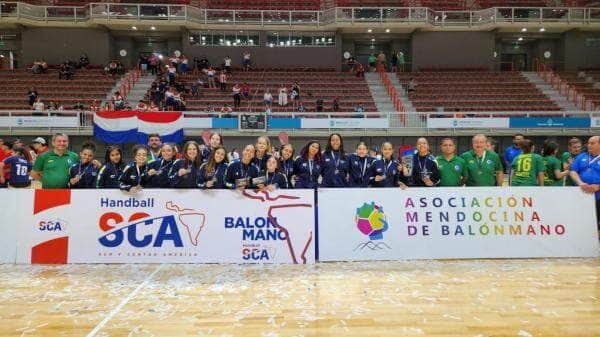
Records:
x=411, y=86
x=84, y=61
x=359, y=109
x=141, y=106
x=226, y=111
x=319, y=105
x=360, y=70
x=153, y=107
x=38, y=106
x=246, y=90
x=95, y=106
x=32, y=95
x=335, y=105
x=78, y=106
x=118, y=101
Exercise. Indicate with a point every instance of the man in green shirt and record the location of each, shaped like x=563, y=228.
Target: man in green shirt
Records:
x=575, y=147
x=554, y=173
x=483, y=167
x=453, y=169
x=52, y=167
x=527, y=169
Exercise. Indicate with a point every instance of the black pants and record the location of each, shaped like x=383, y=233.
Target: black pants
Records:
x=236, y=100
x=598, y=213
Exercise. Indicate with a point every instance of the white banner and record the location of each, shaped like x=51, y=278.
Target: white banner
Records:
x=595, y=122
x=39, y=122
x=344, y=123
x=8, y=227
x=197, y=122
x=156, y=226
x=449, y=223
x=466, y=123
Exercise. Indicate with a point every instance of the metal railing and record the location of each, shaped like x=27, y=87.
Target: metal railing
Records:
x=386, y=123
x=337, y=15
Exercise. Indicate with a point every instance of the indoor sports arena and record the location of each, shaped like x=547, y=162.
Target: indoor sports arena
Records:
x=279, y=168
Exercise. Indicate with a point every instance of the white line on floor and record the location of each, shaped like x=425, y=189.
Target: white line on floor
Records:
x=124, y=302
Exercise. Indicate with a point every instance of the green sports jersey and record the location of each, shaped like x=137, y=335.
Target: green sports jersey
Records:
x=564, y=159
x=55, y=168
x=482, y=171
x=551, y=164
x=451, y=172
x=525, y=168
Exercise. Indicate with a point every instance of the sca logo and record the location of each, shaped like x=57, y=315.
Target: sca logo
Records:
x=258, y=253
x=143, y=230
x=56, y=225
x=371, y=221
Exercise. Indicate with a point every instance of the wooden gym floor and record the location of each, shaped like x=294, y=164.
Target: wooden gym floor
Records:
x=474, y=298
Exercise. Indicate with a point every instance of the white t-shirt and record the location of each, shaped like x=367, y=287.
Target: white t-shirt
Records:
x=267, y=96
x=246, y=56
x=236, y=90
x=38, y=106
x=228, y=62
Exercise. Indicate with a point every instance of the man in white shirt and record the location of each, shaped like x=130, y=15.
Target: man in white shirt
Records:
x=227, y=62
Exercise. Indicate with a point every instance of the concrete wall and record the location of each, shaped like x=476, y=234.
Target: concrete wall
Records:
x=577, y=55
x=55, y=45
x=452, y=49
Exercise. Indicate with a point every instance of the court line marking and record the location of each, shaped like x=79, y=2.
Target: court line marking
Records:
x=124, y=302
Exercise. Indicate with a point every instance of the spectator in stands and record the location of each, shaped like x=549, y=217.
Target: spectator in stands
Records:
x=453, y=169
x=194, y=90
x=585, y=172
x=223, y=80
x=65, y=71
x=78, y=106
x=20, y=166
x=52, y=167
x=209, y=109
x=174, y=61
x=84, y=61
x=184, y=67
x=204, y=63
x=359, y=109
x=372, y=62
x=39, y=67
x=301, y=107
x=351, y=63
x=335, y=105
x=154, y=63
x=237, y=97
x=118, y=101
x=401, y=61
x=381, y=60
x=319, y=105
x=171, y=73
x=32, y=95
x=39, y=146
x=154, y=146
x=268, y=99
x=141, y=106
x=282, y=98
x=246, y=90
x=180, y=104
x=575, y=147
x=226, y=111
x=425, y=173
x=113, y=68
x=483, y=166
x=210, y=73
x=394, y=62
x=514, y=150
x=227, y=64
x=360, y=70
x=153, y=107
x=38, y=106
x=95, y=106
x=411, y=86
x=527, y=168
x=143, y=63
x=246, y=60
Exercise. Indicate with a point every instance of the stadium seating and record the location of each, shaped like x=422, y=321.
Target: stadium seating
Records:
x=86, y=86
x=314, y=83
x=475, y=91
x=582, y=86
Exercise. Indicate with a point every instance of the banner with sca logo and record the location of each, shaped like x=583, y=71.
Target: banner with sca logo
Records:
x=453, y=223
x=156, y=226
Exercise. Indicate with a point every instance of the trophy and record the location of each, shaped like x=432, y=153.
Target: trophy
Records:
x=262, y=180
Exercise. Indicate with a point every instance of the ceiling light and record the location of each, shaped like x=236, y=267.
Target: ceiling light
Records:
x=372, y=40
x=153, y=28
x=523, y=29
x=520, y=39
x=387, y=30
x=369, y=30
x=542, y=29
x=134, y=27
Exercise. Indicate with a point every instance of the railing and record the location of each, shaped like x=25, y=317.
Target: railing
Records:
x=82, y=121
x=337, y=15
x=128, y=81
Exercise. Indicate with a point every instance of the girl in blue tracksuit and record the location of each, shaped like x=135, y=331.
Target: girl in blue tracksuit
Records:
x=307, y=167
x=274, y=178
x=334, y=163
x=286, y=163
x=212, y=172
x=360, y=164
x=241, y=172
x=263, y=153
x=387, y=171
x=184, y=172
x=425, y=172
x=108, y=176
x=216, y=140
x=159, y=168
x=84, y=174
x=135, y=175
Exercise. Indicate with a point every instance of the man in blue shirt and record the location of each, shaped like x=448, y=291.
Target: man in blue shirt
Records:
x=514, y=150
x=585, y=171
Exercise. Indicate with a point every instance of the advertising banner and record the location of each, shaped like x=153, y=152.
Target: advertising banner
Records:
x=345, y=123
x=467, y=123
x=452, y=223
x=39, y=122
x=173, y=226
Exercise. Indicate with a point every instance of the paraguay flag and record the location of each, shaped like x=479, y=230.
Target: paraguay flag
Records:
x=119, y=127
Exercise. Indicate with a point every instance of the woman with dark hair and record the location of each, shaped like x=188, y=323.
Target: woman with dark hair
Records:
x=135, y=175
x=387, y=171
x=20, y=167
x=212, y=172
x=263, y=152
x=360, y=166
x=241, y=172
x=108, y=176
x=159, y=168
x=84, y=174
x=527, y=169
x=334, y=165
x=273, y=176
x=307, y=167
x=553, y=173
x=286, y=164
x=184, y=172
x=216, y=140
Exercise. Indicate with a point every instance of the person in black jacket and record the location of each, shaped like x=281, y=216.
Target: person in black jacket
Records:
x=84, y=173
x=274, y=178
x=334, y=163
x=108, y=176
x=240, y=173
x=212, y=172
x=388, y=171
x=359, y=166
x=184, y=173
x=135, y=175
x=286, y=165
x=425, y=171
x=159, y=168
x=307, y=167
